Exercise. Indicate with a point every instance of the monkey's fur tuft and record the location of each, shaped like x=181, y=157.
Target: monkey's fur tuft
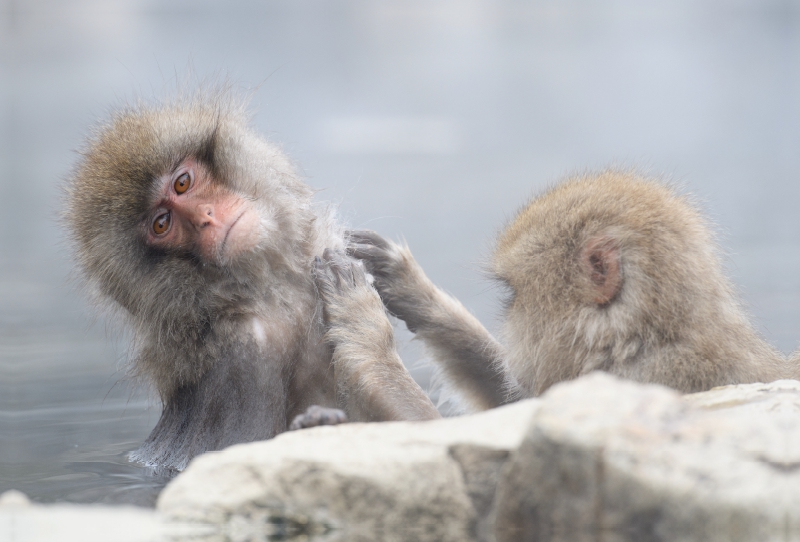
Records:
x=234, y=347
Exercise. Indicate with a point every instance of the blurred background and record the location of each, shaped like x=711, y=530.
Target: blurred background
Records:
x=423, y=119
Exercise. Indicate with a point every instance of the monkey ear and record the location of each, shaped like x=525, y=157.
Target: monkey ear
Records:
x=600, y=261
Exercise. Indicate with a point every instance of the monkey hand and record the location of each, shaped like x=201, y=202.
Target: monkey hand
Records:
x=461, y=346
x=352, y=309
x=402, y=284
x=316, y=415
x=341, y=283
x=372, y=384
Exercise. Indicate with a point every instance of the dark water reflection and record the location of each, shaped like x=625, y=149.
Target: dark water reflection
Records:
x=427, y=119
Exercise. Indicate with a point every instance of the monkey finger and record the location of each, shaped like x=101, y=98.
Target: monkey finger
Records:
x=324, y=278
x=321, y=275
x=316, y=415
x=328, y=255
x=369, y=254
x=347, y=271
x=359, y=274
x=368, y=237
x=335, y=258
x=339, y=265
x=318, y=268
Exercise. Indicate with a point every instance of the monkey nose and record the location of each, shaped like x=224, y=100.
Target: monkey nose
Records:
x=204, y=215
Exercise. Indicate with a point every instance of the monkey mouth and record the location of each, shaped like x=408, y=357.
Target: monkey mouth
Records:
x=224, y=243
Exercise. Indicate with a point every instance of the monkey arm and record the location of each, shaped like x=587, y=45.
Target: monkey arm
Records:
x=472, y=360
x=372, y=384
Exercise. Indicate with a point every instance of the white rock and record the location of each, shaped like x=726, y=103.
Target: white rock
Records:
x=12, y=497
x=595, y=457
x=405, y=480
x=23, y=521
x=643, y=463
x=87, y=523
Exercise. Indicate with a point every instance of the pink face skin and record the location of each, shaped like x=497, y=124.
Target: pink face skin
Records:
x=197, y=214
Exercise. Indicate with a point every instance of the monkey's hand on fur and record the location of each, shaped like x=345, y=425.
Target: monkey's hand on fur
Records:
x=316, y=415
x=402, y=284
x=467, y=353
x=372, y=384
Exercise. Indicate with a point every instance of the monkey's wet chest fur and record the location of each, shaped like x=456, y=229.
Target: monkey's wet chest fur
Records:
x=241, y=358
x=264, y=373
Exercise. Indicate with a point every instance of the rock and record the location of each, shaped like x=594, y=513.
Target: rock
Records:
x=390, y=481
x=597, y=457
x=22, y=521
x=12, y=497
x=638, y=462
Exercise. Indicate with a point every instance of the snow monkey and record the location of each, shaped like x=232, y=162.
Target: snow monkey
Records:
x=200, y=234
x=609, y=272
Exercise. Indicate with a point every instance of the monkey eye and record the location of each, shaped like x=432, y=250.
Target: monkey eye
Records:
x=161, y=223
x=183, y=183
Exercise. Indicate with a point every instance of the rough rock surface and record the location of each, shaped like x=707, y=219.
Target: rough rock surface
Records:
x=595, y=458
x=635, y=462
x=393, y=481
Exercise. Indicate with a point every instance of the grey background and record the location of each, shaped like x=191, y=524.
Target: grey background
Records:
x=432, y=120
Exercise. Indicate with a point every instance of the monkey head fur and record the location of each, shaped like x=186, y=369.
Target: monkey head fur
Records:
x=180, y=305
x=619, y=273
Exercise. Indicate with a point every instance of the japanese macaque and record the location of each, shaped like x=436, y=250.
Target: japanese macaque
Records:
x=200, y=234
x=610, y=272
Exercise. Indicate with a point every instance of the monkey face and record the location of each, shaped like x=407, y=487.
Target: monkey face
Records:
x=181, y=210
x=194, y=213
